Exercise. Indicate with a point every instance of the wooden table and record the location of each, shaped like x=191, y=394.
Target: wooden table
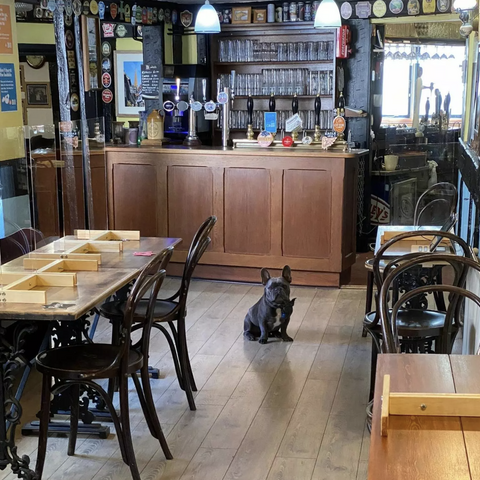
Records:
x=436, y=448
x=116, y=270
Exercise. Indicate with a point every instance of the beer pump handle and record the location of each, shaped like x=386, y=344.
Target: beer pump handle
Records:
x=204, y=89
x=318, y=108
x=177, y=96
x=232, y=84
x=295, y=104
x=271, y=103
x=249, y=110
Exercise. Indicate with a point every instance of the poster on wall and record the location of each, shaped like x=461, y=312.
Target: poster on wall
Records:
x=128, y=84
x=6, y=40
x=8, y=88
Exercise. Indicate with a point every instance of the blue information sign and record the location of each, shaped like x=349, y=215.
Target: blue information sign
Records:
x=8, y=88
x=270, y=119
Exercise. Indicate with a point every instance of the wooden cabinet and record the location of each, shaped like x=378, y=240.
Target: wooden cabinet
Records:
x=273, y=208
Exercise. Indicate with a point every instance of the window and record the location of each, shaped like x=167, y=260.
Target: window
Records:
x=442, y=66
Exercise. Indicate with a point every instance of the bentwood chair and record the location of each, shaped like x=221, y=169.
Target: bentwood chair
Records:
x=433, y=208
x=453, y=319
x=80, y=365
x=416, y=276
x=172, y=311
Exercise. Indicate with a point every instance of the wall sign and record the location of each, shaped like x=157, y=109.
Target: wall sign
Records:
x=8, y=88
x=346, y=10
x=363, y=9
x=106, y=79
x=6, y=42
x=150, y=81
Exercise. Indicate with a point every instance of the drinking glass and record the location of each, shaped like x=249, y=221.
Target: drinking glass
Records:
x=222, y=48
x=302, y=51
x=266, y=52
x=292, y=52
x=311, y=51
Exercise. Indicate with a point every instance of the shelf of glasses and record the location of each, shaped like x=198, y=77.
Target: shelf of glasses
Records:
x=274, y=62
x=281, y=97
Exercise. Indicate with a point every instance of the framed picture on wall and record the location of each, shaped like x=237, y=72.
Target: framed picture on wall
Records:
x=241, y=14
x=128, y=84
x=91, y=52
x=38, y=95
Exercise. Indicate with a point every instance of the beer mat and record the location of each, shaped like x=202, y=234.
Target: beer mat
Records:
x=143, y=254
x=55, y=305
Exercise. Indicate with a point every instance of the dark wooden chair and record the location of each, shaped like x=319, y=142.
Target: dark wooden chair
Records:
x=430, y=320
x=172, y=311
x=453, y=319
x=77, y=365
x=434, y=207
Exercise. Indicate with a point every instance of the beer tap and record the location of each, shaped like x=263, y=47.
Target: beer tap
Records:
x=295, y=111
x=250, y=118
x=192, y=140
x=232, y=86
x=318, y=108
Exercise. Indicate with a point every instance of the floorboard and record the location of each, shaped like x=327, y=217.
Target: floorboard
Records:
x=280, y=411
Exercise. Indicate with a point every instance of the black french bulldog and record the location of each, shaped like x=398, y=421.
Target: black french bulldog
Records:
x=271, y=314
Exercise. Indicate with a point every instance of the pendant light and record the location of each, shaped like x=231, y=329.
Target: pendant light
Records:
x=328, y=15
x=207, y=19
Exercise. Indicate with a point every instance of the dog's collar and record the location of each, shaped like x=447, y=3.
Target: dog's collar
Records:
x=272, y=305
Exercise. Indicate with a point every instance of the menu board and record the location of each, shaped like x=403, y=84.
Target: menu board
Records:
x=6, y=41
x=150, y=81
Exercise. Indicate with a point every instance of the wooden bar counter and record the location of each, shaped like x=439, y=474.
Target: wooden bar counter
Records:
x=274, y=207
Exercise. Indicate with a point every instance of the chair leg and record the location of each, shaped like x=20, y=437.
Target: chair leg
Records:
x=44, y=421
x=74, y=412
x=149, y=410
x=189, y=371
x=112, y=382
x=126, y=432
x=369, y=297
x=173, y=344
x=373, y=369
x=185, y=363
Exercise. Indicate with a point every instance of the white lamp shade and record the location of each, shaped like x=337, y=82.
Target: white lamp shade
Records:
x=464, y=4
x=328, y=15
x=207, y=20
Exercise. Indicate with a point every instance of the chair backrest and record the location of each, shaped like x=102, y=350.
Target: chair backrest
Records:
x=19, y=243
x=382, y=257
x=143, y=284
x=461, y=265
x=157, y=263
x=383, y=251
x=199, y=244
x=436, y=204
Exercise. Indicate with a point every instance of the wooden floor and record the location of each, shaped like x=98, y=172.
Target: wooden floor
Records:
x=281, y=411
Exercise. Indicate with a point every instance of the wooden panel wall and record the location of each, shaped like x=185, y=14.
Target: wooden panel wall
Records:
x=247, y=210
x=190, y=200
x=307, y=209
x=135, y=198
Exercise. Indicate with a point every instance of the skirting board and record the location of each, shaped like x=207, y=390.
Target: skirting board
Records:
x=245, y=274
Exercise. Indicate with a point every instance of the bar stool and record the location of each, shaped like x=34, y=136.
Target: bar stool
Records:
x=82, y=364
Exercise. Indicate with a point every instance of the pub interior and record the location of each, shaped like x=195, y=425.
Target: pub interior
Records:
x=239, y=240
